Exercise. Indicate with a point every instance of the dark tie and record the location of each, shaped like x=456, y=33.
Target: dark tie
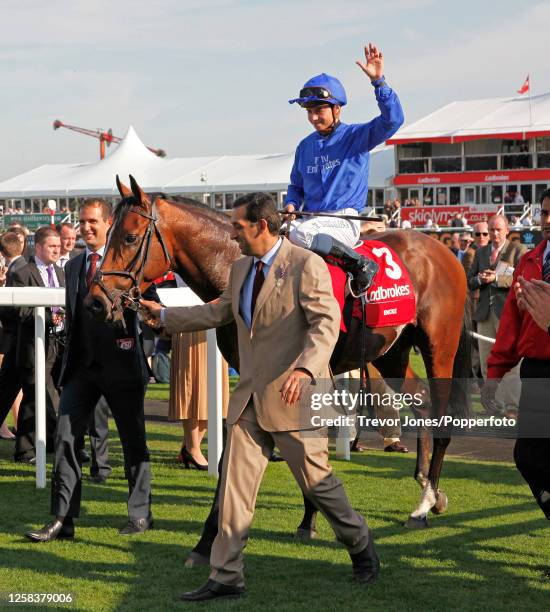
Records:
x=546, y=268
x=257, y=286
x=93, y=258
x=51, y=279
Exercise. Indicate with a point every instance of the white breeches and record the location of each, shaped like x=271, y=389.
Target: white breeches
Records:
x=344, y=230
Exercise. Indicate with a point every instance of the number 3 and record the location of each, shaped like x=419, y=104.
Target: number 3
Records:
x=392, y=268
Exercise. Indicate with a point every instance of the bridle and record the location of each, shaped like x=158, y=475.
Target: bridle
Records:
x=130, y=298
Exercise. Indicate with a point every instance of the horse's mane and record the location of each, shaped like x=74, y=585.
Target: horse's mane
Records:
x=198, y=207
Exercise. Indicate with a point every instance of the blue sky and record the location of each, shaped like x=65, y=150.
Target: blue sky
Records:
x=207, y=77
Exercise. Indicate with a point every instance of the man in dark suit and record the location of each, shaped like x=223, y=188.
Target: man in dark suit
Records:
x=98, y=428
x=41, y=271
x=98, y=360
x=11, y=249
x=491, y=273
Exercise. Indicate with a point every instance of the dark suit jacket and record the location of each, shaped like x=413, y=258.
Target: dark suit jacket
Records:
x=125, y=366
x=493, y=295
x=29, y=276
x=9, y=315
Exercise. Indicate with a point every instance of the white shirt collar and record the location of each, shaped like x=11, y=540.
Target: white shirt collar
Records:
x=99, y=251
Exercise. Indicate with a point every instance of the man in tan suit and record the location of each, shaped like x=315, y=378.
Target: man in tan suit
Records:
x=288, y=321
x=491, y=273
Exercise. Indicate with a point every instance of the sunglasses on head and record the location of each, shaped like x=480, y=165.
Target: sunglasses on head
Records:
x=315, y=92
x=478, y=234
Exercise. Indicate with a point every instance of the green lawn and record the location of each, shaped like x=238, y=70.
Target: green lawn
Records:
x=485, y=552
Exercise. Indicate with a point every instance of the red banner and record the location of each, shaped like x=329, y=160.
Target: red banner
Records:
x=494, y=176
x=442, y=215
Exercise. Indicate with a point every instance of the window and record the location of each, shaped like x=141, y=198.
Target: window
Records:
x=441, y=196
x=496, y=194
x=454, y=195
x=543, y=144
x=540, y=188
x=408, y=166
x=427, y=196
x=488, y=146
x=486, y=162
x=469, y=195
x=414, y=149
x=447, y=164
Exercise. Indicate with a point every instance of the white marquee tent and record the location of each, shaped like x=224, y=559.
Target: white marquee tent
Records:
x=180, y=175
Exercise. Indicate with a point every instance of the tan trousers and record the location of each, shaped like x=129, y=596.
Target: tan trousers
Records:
x=246, y=457
x=509, y=390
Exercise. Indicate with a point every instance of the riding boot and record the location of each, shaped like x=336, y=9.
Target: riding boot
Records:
x=361, y=268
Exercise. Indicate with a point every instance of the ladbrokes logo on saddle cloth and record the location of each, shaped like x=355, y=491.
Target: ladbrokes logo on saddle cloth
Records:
x=390, y=299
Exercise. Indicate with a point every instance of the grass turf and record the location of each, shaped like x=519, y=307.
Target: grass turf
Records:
x=485, y=552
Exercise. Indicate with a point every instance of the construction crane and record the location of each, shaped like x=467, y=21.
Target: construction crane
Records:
x=105, y=138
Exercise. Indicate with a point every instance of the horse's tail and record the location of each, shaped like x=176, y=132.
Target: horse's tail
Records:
x=460, y=399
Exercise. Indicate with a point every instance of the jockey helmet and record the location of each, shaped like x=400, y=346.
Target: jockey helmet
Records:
x=322, y=88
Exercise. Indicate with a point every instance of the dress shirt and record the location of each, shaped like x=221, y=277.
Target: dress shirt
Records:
x=99, y=251
x=43, y=269
x=246, y=289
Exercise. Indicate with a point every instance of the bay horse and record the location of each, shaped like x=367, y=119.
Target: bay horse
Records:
x=153, y=234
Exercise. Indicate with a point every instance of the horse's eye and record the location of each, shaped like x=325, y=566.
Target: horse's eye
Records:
x=130, y=238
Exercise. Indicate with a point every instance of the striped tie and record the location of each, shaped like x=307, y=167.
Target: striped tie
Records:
x=546, y=268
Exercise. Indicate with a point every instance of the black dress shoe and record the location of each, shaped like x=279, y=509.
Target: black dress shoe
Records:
x=275, y=458
x=366, y=564
x=97, y=478
x=56, y=530
x=25, y=459
x=213, y=590
x=135, y=526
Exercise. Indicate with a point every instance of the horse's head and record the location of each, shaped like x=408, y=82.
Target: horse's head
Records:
x=137, y=252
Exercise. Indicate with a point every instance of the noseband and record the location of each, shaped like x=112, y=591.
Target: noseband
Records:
x=119, y=299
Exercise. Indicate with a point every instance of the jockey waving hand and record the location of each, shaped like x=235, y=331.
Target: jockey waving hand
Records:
x=331, y=167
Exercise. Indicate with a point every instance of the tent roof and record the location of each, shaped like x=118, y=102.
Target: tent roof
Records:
x=513, y=118
x=215, y=174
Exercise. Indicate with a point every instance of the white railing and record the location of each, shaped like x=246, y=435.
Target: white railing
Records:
x=41, y=297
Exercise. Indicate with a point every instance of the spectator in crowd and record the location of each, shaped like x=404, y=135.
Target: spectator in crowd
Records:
x=406, y=224
x=388, y=208
x=67, y=235
x=465, y=253
x=526, y=313
x=429, y=223
x=458, y=220
x=10, y=375
x=481, y=234
x=41, y=271
x=508, y=197
x=518, y=198
x=455, y=243
x=515, y=222
x=491, y=273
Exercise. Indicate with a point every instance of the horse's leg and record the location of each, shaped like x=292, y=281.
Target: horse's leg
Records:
x=439, y=367
x=307, y=529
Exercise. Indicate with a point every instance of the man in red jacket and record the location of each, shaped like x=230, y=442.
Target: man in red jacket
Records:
x=519, y=337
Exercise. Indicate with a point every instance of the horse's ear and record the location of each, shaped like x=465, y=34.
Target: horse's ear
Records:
x=124, y=191
x=139, y=194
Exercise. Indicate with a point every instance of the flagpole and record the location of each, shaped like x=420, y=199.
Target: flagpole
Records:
x=530, y=102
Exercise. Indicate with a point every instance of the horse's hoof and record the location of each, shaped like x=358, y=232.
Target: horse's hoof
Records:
x=304, y=535
x=417, y=523
x=195, y=559
x=441, y=503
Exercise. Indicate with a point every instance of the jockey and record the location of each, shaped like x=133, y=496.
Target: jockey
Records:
x=331, y=167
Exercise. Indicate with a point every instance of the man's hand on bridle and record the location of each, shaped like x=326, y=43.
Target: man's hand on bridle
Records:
x=289, y=208
x=150, y=311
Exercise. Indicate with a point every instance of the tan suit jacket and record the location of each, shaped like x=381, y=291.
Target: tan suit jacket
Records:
x=295, y=325
x=493, y=296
